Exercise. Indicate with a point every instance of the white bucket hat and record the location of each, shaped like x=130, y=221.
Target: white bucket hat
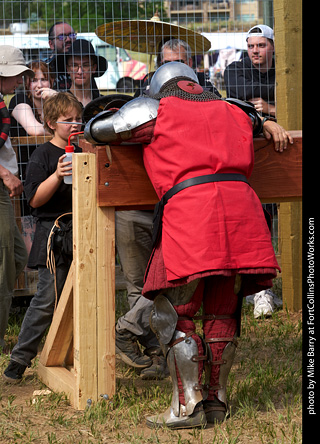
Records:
x=12, y=62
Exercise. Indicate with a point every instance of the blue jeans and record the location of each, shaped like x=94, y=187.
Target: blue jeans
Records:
x=39, y=315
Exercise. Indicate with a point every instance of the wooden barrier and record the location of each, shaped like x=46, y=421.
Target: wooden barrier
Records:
x=289, y=98
x=79, y=354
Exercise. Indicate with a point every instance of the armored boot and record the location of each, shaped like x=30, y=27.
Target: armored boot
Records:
x=181, y=349
x=172, y=421
x=186, y=410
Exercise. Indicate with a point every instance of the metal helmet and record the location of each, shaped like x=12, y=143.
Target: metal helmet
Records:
x=169, y=71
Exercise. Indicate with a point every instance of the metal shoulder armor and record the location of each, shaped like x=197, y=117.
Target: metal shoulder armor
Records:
x=108, y=126
x=250, y=110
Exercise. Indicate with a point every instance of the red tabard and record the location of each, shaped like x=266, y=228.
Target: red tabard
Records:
x=215, y=226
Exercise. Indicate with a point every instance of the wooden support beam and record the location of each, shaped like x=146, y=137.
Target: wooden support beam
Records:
x=29, y=140
x=291, y=254
x=124, y=184
x=277, y=177
x=106, y=384
x=85, y=278
x=122, y=178
x=288, y=53
x=61, y=330
x=85, y=316
x=60, y=380
x=288, y=57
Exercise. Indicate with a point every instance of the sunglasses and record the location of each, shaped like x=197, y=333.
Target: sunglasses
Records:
x=63, y=37
x=169, y=61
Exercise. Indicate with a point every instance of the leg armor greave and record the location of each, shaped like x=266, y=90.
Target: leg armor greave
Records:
x=181, y=349
x=184, y=370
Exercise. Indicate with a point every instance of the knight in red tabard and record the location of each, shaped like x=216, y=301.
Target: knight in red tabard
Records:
x=212, y=242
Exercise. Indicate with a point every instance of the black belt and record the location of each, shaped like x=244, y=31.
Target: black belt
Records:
x=218, y=177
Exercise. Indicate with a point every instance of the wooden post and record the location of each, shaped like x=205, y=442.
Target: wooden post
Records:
x=106, y=301
x=79, y=354
x=85, y=278
x=288, y=52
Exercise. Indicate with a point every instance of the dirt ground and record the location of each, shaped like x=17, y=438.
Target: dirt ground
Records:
x=29, y=425
x=26, y=418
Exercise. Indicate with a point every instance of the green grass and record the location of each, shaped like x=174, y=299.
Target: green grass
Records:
x=264, y=393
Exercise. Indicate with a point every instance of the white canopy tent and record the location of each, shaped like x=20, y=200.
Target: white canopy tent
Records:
x=222, y=40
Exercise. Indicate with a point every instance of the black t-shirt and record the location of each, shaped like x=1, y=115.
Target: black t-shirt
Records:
x=16, y=130
x=43, y=163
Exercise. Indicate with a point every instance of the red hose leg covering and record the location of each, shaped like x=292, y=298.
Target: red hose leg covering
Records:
x=187, y=326
x=219, y=299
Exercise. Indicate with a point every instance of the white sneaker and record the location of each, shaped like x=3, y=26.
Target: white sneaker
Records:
x=263, y=304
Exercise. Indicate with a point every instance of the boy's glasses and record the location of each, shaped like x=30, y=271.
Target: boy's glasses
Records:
x=85, y=67
x=62, y=37
x=66, y=122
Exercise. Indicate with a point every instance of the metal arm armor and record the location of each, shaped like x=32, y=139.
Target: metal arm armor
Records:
x=108, y=126
x=250, y=110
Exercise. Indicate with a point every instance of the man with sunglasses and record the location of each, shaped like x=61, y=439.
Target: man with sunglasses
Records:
x=176, y=50
x=61, y=36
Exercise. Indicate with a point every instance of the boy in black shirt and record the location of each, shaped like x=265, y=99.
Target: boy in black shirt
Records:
x=49, y=197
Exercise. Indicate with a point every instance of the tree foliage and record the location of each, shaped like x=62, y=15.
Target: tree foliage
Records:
x=83, y=15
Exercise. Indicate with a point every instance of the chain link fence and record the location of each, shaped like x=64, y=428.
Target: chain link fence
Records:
x=131, y=54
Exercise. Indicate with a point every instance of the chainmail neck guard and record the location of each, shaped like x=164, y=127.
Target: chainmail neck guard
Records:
x=170, y=88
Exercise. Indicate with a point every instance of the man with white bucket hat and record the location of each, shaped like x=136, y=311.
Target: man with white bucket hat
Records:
x=13, y=253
